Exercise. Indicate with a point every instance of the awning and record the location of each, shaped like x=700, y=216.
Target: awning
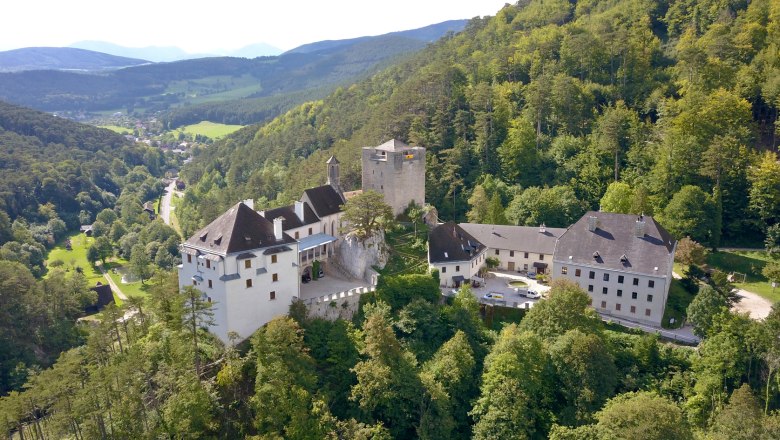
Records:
x=245, y=256
x=540, y=265
x=315, y=240
x=197, y=278
x=276, y=250
x=458, y=279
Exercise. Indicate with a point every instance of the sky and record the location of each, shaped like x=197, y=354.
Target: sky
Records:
x=199, y=26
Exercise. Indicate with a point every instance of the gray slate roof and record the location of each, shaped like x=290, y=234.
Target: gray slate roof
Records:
x=448, y=242
x=614, y=238
x=239, y=229
x=518, y=238
x=325, y=200
x=291, y=220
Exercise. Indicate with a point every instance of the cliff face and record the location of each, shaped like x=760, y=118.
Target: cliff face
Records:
x=355, y=258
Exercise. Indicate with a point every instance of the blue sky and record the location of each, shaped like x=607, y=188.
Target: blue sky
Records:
x=203, y=26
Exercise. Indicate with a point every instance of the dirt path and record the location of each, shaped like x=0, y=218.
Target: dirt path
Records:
x=165, y=203
x=757, y=306
x=113, y=285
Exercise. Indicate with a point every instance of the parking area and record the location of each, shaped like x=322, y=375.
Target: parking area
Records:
x=328, y=285
x=501, y=293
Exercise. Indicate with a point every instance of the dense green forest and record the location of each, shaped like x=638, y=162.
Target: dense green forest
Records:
x=407, y=367
x=57, y=175
x=542, y=107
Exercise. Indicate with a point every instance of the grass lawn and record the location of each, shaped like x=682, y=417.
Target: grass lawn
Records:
x=405, y=258
x=77, y=257
x=117, y=129
x=749, y=263
x=129, y=289
x=518, y=284
x=676, y=305
x=209, y=129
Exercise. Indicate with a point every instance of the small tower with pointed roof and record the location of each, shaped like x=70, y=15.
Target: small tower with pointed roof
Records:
x=333, y=174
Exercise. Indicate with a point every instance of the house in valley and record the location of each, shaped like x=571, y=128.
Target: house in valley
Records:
x=455, y=253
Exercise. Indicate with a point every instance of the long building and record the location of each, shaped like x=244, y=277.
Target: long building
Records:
x=517, y=248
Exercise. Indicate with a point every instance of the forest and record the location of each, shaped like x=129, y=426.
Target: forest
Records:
x=543, y=107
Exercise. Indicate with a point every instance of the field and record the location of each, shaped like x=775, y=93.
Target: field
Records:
x=129, y=289
x=215, y=88
x=750, y=263
x=117, y=129
x=209, y=129
x=75, y=258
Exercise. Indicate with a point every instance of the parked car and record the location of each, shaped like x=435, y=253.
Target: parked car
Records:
x=451, y=292
x=531, y=294
x=531, y=275
x=493, y=295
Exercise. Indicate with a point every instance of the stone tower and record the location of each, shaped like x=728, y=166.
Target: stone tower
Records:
x=333, y=174
x=397, y=171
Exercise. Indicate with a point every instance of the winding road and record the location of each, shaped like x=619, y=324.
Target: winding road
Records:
x=165, y=202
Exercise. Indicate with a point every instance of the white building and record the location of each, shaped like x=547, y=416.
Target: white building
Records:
x=246, y=265
x=455, y=254
x=624, y=262
x=518, y=248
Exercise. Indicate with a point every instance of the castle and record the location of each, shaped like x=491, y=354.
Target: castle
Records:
x=251, y=263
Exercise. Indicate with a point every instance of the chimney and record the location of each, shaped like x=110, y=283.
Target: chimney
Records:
x=250, y=203
x=299, y=210
x=542, y=228
x=278, y=233
x=593, y=223
x=640, y=226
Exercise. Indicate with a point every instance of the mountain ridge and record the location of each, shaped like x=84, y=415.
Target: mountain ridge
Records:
x=62, y=58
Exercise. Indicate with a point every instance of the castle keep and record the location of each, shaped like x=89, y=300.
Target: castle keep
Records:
x=397, y=171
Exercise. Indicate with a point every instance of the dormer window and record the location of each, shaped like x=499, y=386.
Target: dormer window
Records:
x=218, y=240
x=596, y=255
x=624, y=259
x=204, y=236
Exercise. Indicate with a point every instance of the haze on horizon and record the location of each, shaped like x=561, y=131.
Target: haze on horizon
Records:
x=198, y=26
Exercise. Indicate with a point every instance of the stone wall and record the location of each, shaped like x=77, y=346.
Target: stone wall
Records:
x=355, y=258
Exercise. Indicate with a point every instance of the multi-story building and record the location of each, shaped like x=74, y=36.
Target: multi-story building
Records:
x=455, y=254
x=397, y=171
x=624, y=262
x=518, y=248
x=246, y=265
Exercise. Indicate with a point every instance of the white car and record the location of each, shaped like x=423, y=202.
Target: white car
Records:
x=531, y=294
x=493, y=295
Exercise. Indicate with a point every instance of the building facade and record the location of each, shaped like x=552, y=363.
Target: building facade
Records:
x=524, y=249
x=455, y=254
x=397, y=171
x=624, y=262
x=246, y=266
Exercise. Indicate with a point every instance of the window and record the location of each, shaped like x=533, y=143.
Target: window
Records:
x=577, y=272
x=194, y=283
x=248, y=283
x=444, y=269
x=636, y=281
x=604, y=290
x=297, y=235
x=592, y=275
x=526, y=255
x=247, y=264
x=273, y=258
x=619, y=292
x=617, y=307
x=633, y=309
x=590, y=287
x=210, y=284
x=208, y=264
x=650, y=283
x=541, y=257
x=606, y=277
x=457, y=268
x=647, y=312
x=603, y=304
x=189, y=258
x=633, y=295
x=620, y=279
x=309, y=231
x=525, y=267
x=511, y=253
x=272, y=295
x=564, y=270
x=275, y=277
x=649, y=298
x=497, y=252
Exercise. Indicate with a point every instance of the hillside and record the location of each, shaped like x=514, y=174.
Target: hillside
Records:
x=49, y=160
x=62, y=58
x=545, y=105
x=171, y=53
x=251, y=89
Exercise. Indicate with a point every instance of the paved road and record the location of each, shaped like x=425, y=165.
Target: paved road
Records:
x=165, y=203
x=684, y=334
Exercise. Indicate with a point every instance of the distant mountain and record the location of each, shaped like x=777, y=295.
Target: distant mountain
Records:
x=425, y=34
x=62, y=58
x=172, y=53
